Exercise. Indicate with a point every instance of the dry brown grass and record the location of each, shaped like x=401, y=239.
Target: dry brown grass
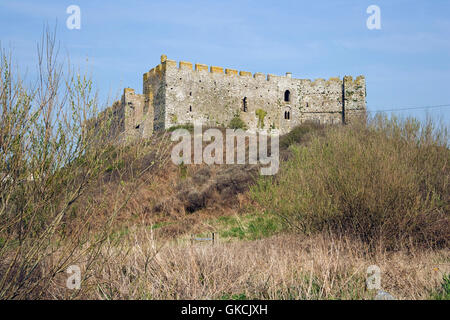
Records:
x=281, y=267
x=182, y=196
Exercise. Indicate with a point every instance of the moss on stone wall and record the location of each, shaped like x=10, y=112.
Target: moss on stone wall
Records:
x=261, y=114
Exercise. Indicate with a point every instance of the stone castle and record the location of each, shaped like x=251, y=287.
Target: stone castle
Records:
x=180, y=94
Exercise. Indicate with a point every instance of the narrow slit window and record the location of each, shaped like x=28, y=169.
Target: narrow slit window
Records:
x=244, y=104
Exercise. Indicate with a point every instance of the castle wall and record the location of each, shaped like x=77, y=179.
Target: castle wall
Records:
x=181, y=93
x=354, y=98
x=133, y=105
x=107, y=126
x=154, y=91
x=125, y=120
x=214, y=96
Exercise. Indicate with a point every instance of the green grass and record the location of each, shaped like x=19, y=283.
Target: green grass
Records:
x=160, y=225
x=237, y=123
x=443, y=293
x=248, y=227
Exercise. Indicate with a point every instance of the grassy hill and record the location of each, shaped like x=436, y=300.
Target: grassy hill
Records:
x=345, y=198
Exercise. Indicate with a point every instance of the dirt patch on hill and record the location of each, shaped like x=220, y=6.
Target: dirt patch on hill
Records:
x=209, y=187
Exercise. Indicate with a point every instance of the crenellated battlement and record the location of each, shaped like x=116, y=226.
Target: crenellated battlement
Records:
x=182, y=92
x=200, y=67
x=185, y=65
x=231, y=72
x=216, y=69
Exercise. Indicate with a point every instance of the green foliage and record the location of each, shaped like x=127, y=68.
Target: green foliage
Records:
x=249, y=227
x=261, y=114
x=116, y=165
x=237, y=123
x=299, y=134
x=160, y=225
x=443, y=293
x=187, y=126
x=385, y=183
x=183, y=171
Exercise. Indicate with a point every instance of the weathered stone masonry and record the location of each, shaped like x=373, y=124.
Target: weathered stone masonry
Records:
x=181, y=94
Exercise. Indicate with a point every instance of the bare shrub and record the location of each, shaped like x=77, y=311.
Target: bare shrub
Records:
x=47, y=162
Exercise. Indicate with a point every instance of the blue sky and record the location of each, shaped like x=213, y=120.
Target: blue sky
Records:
x=406, y=63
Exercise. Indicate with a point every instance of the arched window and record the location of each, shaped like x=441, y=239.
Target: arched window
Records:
x=287, y=96
x=287, y=115
x=244, y=104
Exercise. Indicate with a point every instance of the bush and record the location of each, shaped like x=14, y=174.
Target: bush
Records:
x=187, y=126
x=237, y=123
x=299, y=134
x=386, y=183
